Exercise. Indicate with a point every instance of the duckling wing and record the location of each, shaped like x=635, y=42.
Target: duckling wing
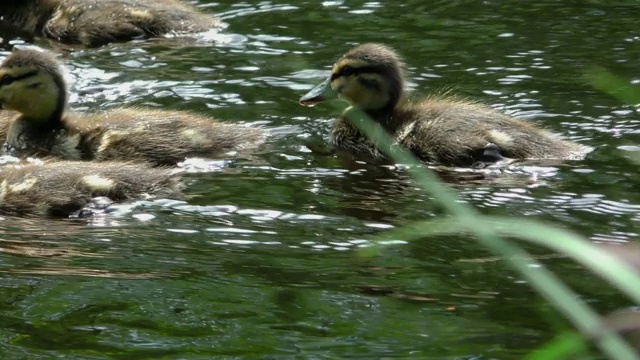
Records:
x=60, y=188
x=458, y=133
x=443, y=140
x=520, y=139
x=167, y=137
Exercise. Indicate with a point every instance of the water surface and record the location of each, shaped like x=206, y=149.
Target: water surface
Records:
x=262, y=261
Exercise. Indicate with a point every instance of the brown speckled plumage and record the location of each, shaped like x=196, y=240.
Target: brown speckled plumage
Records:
x=61, y=188
x=440, y=129
x=5, y=122
x=161, y=137
x=97, y=22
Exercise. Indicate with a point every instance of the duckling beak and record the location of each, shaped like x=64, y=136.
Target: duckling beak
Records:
x=318, y=94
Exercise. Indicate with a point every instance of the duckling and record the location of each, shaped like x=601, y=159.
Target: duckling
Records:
x=32, y=85
x=439, y=129
x=5, y=121
x=57, y=189
x=93, y=23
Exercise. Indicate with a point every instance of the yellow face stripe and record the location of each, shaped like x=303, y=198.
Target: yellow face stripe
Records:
x=10, y=75
x=337, y=68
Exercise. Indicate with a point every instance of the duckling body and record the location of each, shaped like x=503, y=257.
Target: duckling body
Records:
x=98, y=22
x=442, y=130
x=31, y=84
x=6, y=117
x=61, y=188
x=457, y=133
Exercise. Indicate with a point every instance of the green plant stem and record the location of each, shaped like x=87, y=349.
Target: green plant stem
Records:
x=613, y=85
x=618, y=273
x=547, y=284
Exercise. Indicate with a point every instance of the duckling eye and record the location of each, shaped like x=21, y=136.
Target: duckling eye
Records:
x=347, y=71
x=6, y=79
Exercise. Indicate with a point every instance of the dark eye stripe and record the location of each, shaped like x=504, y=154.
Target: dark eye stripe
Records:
x=356, y=71
x=8, y=79
x=370, y=83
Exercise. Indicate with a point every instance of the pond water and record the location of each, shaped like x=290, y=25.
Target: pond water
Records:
x=263, y=260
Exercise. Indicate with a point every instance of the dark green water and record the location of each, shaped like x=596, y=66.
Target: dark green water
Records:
x=261, y=262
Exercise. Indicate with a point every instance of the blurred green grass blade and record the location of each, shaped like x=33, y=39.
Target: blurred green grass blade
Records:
x=613, y=85
x=447, y=198
x=566, y=345
x=541, y=279
x=618, y=273
x=537, y=275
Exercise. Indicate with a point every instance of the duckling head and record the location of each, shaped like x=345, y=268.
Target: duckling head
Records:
x=369, y=76
x=31, y=83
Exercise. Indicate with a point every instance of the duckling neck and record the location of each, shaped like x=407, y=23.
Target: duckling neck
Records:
x=24, y=133
x=54, y=122
x=26, y=130
x=385, y=117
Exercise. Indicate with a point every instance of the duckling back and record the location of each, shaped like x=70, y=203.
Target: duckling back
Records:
x=456, y=132
x=97, y=22
x=163, y=137
x=61, y=188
